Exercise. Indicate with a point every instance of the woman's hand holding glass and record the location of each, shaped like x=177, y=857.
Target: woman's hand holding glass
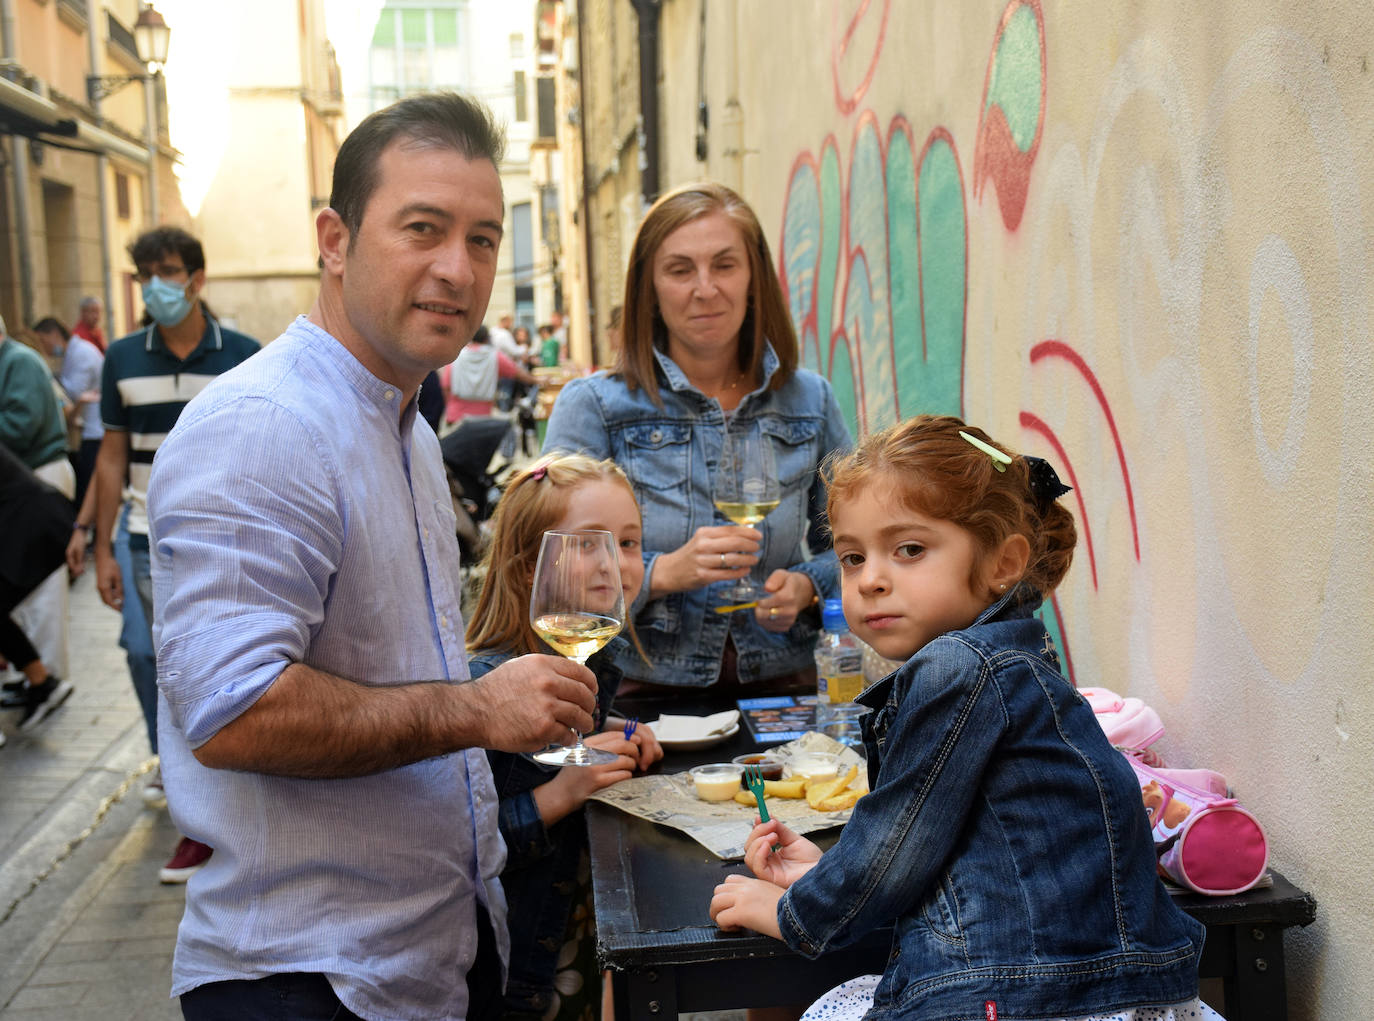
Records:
x=788, y=594
x=713, y=553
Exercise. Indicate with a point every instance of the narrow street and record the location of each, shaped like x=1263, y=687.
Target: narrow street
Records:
x=86, y=929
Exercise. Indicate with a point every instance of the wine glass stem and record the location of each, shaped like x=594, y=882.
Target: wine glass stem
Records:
x=578, y=751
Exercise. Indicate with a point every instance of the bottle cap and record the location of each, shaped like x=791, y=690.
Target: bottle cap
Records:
x=832, y=616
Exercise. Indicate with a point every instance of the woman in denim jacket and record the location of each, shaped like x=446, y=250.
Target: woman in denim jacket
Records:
x=552, y=961
x=708, y=345
x=1004, y=840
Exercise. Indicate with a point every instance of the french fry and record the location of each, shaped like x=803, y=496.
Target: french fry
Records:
x=746, y=799
x=839, y=802
x=785, y=788
x=818, y=792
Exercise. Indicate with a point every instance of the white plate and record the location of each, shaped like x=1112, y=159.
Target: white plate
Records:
x=693, y=744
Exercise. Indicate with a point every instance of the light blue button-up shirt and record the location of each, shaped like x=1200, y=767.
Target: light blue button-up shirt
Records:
x=298, y=516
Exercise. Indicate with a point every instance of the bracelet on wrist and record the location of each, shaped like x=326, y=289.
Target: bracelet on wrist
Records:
x=79, y=527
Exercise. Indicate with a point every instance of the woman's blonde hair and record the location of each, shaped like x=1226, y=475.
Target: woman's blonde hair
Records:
x=534, y=501
x=937, y=472
x=643, y=330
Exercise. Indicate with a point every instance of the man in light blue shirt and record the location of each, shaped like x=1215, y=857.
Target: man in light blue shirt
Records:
x=314, y=725
x=81, y=366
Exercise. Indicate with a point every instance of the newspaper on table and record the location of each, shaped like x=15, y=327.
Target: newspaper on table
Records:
x=721, y=826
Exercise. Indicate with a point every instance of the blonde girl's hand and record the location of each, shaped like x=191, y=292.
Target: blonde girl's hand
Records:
x=789, y=593
x=571, y=786
x=650, y=751
x=713, y=553
x=743, y=903
x=795, y=855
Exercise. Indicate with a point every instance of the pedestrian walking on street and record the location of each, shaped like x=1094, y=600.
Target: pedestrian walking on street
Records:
x=35, y=521
x=148, y=378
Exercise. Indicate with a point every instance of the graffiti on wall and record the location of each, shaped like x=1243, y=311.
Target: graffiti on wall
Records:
x=874, y=248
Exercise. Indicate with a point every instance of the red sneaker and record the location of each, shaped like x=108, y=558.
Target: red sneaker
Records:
x=191, y=856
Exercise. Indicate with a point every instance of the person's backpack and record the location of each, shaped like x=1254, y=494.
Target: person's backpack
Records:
x=1206, y=842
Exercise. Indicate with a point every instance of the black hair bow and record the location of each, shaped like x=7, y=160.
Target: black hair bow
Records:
x=1045, y=486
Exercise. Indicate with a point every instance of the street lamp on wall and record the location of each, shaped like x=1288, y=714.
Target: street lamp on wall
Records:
x=151, y=38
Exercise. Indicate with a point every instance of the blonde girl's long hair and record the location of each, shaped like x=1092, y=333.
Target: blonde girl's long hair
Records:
x=535, y=501
x=937, y=472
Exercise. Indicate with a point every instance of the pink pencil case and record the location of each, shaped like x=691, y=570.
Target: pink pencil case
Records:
x=1206, y=842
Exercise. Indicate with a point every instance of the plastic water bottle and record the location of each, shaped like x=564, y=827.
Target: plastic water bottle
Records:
x=839, y=677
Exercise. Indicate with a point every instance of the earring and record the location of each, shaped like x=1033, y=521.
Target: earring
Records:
x=1003, y=586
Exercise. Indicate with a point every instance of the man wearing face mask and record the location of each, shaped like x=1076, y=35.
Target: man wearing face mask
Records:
x=149, y=376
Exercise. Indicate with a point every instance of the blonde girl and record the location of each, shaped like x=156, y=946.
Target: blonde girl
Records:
x=540, y=811
x=1004, y=839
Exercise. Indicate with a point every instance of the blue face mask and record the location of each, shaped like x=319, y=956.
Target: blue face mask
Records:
x=166, y=302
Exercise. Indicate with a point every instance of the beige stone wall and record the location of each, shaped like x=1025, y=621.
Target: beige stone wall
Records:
x=1142, y=252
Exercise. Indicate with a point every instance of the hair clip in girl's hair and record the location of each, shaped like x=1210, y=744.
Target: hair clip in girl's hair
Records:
x=539, y=473
x=1045, y=486
x=999, y=459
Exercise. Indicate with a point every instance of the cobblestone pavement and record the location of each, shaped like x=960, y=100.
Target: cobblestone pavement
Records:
x=86, y=929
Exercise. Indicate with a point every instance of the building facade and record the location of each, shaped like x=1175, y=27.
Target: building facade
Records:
x=490, y=51
x=273, y=100
x=83, y=137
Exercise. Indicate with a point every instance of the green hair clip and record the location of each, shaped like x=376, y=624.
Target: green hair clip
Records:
x=999, y=459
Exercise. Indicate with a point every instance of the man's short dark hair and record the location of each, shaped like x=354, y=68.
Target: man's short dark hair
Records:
x=437, y=120
x=152, y=245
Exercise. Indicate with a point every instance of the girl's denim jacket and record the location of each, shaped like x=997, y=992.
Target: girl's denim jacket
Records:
x=1004, y=839
x=670, y=455
x=540, y=877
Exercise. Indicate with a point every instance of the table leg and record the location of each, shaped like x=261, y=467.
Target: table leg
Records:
x=644, y=996
x=1257, y=989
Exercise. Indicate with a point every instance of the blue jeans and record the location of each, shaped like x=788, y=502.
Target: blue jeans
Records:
x=136, y=634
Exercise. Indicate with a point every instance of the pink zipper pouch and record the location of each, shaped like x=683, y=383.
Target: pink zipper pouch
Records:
x=1205, y=841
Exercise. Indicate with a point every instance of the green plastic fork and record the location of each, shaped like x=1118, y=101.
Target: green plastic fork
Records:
x=753, y=779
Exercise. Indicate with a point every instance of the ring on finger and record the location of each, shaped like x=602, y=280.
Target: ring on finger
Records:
x=723, y=565
x=772, y=612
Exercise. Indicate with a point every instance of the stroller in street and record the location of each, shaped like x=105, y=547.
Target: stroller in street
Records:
x=468, y=452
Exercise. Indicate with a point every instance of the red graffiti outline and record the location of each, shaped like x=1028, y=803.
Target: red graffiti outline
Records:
x=1058, y=349
x=1033, y=422
x=840, y=45
x=1014, y=184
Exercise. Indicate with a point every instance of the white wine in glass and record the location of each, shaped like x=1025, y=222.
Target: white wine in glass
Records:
x=746, y=490
x=577, y=606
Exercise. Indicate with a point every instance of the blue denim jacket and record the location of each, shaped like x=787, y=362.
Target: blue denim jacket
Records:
x=1004, y=838
x=670, y=456
x=541, y=873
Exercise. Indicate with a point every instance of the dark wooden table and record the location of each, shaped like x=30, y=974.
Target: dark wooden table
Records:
x=653, y=886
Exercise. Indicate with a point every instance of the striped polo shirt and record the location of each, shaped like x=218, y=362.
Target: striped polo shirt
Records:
x=143, y=389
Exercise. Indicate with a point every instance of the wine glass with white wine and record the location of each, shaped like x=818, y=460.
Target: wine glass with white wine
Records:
x=577, y=606
x=746, y=490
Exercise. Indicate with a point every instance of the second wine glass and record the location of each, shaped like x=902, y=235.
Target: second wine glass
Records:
x=577, y=606
x=746, y=490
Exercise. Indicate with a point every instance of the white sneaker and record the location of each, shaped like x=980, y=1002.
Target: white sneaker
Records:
x=154, y=796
